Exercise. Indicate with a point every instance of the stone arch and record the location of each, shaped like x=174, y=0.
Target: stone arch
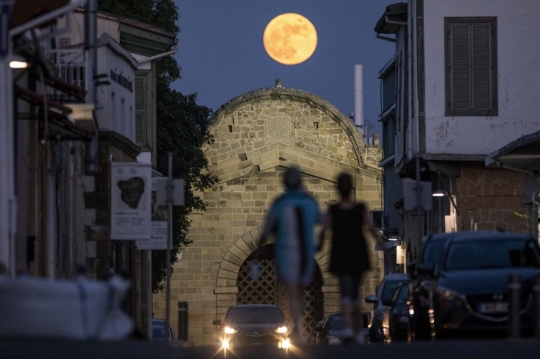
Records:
x=257, y=136
x=241, y=251
x=234, y=163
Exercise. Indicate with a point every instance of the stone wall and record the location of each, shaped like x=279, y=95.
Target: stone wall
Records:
x=490, y=198
x=257, y=136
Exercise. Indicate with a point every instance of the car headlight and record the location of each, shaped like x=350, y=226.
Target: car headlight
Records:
x=334, y=341
x=447, y=294
x=229, y=330
x=281, y=330
x=225, y=344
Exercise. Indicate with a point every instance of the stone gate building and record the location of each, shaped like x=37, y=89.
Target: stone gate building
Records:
x=257, y=136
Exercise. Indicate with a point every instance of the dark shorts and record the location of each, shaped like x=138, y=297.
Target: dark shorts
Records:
x=348, y=284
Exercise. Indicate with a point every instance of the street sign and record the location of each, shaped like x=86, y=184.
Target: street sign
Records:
x=160, y=186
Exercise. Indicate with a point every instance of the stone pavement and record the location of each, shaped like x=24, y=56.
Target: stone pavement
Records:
x=492, y=349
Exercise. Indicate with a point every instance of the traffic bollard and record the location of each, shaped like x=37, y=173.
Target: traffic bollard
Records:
x=536, y=291
x=183, y=321
x=514, y=293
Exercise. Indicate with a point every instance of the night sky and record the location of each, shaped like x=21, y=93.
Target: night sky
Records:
x=221, y=52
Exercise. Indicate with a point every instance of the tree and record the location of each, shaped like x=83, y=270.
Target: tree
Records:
x=182, y=126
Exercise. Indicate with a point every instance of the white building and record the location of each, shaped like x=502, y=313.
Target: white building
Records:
x=461, y=85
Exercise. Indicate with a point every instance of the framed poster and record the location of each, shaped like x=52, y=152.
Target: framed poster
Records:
x=131, y=201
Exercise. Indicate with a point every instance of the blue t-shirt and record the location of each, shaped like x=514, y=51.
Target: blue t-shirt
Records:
x=292, y=219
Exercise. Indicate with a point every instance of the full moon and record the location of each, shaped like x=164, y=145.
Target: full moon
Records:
x=290, y=39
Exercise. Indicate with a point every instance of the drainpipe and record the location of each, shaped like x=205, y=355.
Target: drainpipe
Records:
x=8, y=203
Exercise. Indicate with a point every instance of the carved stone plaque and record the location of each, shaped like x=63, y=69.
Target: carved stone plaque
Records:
x=277, y=129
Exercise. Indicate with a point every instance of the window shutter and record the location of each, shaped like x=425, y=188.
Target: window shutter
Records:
x=139, y=110
x=460, y=67
x=471, y=66
x=481, y=66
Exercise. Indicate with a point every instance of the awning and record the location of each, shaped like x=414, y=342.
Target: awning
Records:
x=522, y=155
x=394, y=17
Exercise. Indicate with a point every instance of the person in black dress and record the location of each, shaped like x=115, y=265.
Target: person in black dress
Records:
x=349, y=257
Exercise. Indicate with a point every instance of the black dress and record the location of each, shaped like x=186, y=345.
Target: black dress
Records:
x=349, y=251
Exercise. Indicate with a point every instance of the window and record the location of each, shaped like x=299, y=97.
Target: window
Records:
x=471, y=66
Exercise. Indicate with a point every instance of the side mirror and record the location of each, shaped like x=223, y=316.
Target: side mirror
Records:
x=217, y=322
x=371, y=299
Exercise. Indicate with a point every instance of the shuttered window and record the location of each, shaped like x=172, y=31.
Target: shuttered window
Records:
x=471, y=66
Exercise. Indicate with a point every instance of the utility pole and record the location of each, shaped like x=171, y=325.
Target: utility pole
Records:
x=8, y=204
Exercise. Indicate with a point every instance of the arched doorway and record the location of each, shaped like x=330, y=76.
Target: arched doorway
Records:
x=267, y=290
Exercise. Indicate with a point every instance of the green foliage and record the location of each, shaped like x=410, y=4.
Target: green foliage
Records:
x=530, y=223
x=183, y=130
x=182, y=125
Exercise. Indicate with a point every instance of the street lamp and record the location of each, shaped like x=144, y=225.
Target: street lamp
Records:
x=439, y=193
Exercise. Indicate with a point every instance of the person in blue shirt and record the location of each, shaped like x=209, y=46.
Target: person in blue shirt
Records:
x=291, y=220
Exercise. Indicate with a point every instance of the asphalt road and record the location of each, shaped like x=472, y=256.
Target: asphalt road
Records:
x=492, y=349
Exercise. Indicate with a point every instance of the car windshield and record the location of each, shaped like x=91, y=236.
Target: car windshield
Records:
x=336, y=322
x=389, y=289
x=432, y=252
x=255, y=315
x=402, y=295
x=158, y=331
x=492, y=254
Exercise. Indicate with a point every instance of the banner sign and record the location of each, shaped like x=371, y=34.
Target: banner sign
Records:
x=160, y=236
x=131, y=201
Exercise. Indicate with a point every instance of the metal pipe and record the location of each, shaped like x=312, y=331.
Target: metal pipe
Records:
x=169, y=235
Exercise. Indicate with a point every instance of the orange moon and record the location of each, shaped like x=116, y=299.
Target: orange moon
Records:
x=290, y=39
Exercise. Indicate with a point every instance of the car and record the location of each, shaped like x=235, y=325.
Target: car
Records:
x=161, y=330
x=387, y=288
x=396, y=317
x=253, y=324
x=420, y=279
x=468, y=293
x=330, y=331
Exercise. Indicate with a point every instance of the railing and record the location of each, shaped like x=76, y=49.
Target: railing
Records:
x=70, y=67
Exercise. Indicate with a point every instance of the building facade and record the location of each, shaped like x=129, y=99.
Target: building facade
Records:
x=461, y=85
x=78, y=107
x=257, y=135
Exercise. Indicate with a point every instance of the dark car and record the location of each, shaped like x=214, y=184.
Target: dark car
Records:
x=420, y=280
x=396, y=318
x=469, y=291
x=386, y=291
x=251, y=324
x=161, y=330
x=331, y=330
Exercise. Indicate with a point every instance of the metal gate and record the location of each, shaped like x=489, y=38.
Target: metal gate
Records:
x=267, y=290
